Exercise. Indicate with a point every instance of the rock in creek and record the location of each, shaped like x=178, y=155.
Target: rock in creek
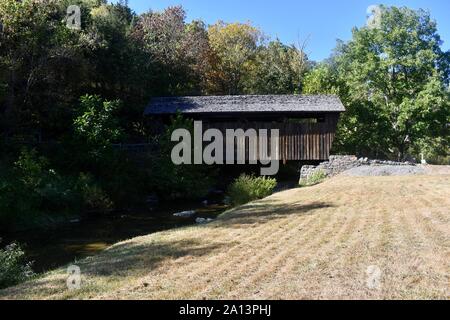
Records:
x=203, y=220
x=185, y=214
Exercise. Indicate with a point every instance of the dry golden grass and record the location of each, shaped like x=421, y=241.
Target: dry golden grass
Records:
x=308, y=243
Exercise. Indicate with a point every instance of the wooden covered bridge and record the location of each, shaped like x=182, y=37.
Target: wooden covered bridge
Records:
x=306, y=123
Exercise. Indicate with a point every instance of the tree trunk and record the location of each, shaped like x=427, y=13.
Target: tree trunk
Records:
x=401, y=152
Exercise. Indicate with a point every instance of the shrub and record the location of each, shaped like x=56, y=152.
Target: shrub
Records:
x=172, y=181
x=33, y=194
x=247, y=188
x=27, y=189
x=314, y=178
x=13, y=268
x=92, y=196
x=97, y=122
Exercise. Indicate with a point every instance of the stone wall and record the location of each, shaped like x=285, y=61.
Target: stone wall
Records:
x=338, y=164
x=305, y=172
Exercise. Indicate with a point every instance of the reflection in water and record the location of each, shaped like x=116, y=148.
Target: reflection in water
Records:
x=53, y=248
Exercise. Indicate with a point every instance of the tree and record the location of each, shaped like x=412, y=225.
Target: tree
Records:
x=278, y=69
x=233, y=51
x=96, y=122
x=393, y=79
x=32, y=59
x=174, y=52
x=323, y=79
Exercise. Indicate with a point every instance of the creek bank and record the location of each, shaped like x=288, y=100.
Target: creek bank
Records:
x=88, y=235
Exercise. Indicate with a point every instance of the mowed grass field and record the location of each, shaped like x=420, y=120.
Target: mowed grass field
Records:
x=347, y=238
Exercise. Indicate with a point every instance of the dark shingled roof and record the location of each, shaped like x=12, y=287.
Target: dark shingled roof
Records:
x=245, y=104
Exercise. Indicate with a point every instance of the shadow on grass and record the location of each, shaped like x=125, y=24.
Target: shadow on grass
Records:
x=126, y=257
x=119, y=262
x=264, y=211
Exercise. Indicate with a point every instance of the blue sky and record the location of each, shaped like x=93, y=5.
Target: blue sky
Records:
x=321, y=21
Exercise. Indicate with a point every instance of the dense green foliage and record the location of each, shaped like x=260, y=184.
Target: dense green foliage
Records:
x=70, y=98
x=13, y=268
x=46, y=67
x=172, y=181
x=96, y=123
x=394, y=81
x=33, y=193
x=247, y=188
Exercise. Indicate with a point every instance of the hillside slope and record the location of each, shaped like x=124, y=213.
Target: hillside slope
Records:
x=350, y=237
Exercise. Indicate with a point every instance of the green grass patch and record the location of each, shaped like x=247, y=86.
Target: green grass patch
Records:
x=314, y=178
x=247, y=188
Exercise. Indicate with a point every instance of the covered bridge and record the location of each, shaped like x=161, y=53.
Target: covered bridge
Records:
x=307, y=123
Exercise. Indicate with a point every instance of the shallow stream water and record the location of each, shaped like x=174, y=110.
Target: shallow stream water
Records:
x=56, y=247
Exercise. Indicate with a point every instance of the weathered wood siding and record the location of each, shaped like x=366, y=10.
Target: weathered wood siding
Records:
x=298, y=141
